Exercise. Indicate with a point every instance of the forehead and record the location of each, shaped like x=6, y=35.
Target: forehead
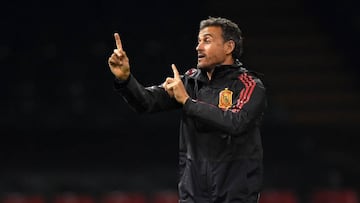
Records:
x=213, y=31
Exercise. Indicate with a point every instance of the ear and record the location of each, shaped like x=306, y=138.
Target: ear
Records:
x=229, y=46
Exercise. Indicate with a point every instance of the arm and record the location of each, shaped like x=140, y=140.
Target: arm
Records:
x=232, y=121
x=141, y=99
x=144, y=99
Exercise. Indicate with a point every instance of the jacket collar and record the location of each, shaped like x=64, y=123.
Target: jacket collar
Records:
x=221, y=71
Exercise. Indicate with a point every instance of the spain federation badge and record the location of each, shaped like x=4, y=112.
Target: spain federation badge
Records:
x=225, y=99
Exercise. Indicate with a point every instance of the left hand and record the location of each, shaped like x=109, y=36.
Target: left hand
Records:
x=175, y=87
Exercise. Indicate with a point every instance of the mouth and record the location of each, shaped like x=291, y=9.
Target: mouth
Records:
x=200, y=56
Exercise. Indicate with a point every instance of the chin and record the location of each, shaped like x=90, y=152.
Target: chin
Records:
x=205, y=66
x=201, y=65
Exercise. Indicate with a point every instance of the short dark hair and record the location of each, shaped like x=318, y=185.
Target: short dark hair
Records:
x=230, y=31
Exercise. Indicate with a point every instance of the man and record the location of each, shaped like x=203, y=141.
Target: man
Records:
x=222, y=103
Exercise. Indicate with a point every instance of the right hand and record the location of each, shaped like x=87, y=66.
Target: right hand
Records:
x=175, y=87
x=118, y=61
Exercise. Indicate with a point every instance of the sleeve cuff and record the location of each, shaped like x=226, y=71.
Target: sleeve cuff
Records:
x=119, y=84
x=188, y=103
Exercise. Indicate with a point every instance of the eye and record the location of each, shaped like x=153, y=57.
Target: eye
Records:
x=207, y=40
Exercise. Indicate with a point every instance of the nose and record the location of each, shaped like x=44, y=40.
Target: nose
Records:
x=198, y=46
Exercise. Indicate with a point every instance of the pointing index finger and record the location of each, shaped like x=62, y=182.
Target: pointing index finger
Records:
x=176, y=72
x=118, y=41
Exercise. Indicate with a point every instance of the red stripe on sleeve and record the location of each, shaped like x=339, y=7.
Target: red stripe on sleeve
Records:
x=246, y=92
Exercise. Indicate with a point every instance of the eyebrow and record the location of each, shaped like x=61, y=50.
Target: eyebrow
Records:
x=206, y=35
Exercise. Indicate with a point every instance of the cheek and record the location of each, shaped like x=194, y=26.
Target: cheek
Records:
x=212, y=50
x=218, y=52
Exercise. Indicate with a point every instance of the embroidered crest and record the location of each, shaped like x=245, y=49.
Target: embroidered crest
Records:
x=191, y=72
x=225, y=99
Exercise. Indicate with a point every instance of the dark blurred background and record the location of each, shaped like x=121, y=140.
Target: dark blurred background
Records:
x=64, y=129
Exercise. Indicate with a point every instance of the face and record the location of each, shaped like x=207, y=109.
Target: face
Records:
x=211, y=48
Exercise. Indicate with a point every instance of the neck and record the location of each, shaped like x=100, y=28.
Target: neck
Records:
x=209, y=73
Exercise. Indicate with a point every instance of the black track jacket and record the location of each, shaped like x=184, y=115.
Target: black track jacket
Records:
x=220, y=149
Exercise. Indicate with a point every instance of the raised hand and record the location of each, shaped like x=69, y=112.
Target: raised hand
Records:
x=118, y=61
x=175, y=87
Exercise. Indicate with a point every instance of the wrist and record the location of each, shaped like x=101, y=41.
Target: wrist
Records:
x=184, y=100
x=121, y=82
x=123, y=77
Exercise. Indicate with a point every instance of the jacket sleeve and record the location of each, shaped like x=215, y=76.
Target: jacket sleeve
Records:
x=233, y=121
x=144, y=99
